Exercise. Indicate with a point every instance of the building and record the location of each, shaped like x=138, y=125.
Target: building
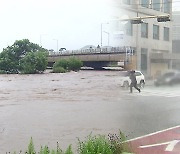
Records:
x=151, y=40
x=176, y=37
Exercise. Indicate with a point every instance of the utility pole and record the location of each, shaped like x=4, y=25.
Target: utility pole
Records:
x=108, y=36
x=41, y=38
x=101, y=31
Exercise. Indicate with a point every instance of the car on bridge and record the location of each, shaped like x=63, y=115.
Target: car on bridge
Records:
x=125, y=80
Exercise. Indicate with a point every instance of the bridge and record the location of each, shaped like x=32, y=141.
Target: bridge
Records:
x=97, y=58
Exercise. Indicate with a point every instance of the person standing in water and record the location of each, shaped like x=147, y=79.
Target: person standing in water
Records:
x=133, y=81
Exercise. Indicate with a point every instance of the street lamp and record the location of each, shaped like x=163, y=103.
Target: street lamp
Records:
x=108, y=36
x=101, y=30
x=56, y=43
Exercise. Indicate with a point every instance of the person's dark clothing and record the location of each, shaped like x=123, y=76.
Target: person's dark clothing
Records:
x=133, y=77
x=133, y=82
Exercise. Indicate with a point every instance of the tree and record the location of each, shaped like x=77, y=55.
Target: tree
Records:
x=10, y=57
x=33, y=62
x=67, y=65
x=41, y=61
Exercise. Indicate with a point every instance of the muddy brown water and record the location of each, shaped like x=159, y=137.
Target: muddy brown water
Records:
x=57, y=107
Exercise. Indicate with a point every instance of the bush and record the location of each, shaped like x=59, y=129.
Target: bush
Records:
x=61, y=63
x=96, y=145
x=59, y=70
x=67, y=64
x=45, y=149
x=75, y=64
x=92, y=145
x=118, y=143
x=3, y=72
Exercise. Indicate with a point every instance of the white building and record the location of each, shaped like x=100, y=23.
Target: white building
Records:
x=151, y=39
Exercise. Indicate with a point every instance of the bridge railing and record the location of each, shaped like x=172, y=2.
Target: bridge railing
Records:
x=124, y=49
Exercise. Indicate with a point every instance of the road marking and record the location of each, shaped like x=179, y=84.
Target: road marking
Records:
x=153, y=133
x=170, y=147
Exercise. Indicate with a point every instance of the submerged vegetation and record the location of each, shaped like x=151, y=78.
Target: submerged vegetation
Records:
x=65, y=65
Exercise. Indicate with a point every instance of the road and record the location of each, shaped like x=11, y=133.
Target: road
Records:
x=62, y=107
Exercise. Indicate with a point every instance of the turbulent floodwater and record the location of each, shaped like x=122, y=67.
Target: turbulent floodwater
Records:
x=57, y=107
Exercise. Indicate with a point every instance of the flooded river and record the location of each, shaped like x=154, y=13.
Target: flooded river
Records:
x=57, y=107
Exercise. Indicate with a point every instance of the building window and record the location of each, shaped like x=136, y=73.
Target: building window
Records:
x=156, y=32
x=166, y=34
x=144, y=30
x=127, y=2
x=129, y=29
x=144, y=58
x=156, y=5
x=166, y=4
x=145, y=3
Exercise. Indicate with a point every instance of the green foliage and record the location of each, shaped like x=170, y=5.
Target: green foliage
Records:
x=11, y=56
x=2, y=72
x=67, y=65
x=8, y=63
x=45, y=150
x=41, y=61
x=33, y=62
x=92, y=145
x=95, y=145
x=118, y=143
x=59, y=70
x=75, y=64
x=114, y=144
x=31, y=149
x=61, y=63
x=69, y=150
x=28, y=64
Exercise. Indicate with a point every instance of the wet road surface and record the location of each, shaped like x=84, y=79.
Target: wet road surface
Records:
x=62, y=107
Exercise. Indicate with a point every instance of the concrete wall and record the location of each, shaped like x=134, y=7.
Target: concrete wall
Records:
x=91, y=57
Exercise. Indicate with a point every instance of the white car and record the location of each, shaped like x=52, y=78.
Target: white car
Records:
x=125, y=80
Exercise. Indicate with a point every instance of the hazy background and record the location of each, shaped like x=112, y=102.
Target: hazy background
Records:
x=74, y=23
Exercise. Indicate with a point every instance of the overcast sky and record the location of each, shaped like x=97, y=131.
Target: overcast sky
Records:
x=74, y=23
x=176, y=5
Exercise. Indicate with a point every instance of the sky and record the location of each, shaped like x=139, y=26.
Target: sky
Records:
x=69, y=23
x=176, y=5
x=56, y=23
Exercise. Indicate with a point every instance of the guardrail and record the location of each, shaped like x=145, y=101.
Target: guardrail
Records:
x=127, y=50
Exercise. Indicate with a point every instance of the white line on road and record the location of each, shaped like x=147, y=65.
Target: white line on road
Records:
x=170, y=147
x=154, y=145
x=154, y=133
